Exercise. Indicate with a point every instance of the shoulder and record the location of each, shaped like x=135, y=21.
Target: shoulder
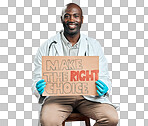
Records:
x=50, y=40
x=44, y=48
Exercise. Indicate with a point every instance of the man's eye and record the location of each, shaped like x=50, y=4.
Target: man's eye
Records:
x=66, y=16
x=76, y=16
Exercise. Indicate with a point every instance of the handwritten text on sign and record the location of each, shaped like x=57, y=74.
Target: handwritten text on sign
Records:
x=70, y=75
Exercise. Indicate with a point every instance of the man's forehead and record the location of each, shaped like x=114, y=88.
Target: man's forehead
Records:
x=72, y=13
x=74, y=8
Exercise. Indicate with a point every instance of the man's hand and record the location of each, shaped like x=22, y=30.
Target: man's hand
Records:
x=102, y=88
x=40, y=85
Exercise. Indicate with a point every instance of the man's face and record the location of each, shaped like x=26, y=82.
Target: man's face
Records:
x=72, y=19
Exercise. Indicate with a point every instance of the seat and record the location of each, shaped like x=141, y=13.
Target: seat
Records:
x=76, y=116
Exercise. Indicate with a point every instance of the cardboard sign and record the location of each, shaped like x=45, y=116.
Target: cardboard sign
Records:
x=70, y=75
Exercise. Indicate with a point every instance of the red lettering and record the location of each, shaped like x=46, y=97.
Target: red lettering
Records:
x=84, y=75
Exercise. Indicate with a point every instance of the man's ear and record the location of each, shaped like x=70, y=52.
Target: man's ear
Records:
x=61, y=19
x=82, y=19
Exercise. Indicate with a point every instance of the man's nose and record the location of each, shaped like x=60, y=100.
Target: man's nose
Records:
x=71, y=18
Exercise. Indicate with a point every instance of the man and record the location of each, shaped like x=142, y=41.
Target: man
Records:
x=55, y=109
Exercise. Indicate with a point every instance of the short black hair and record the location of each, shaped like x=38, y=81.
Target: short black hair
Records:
x=69, y=4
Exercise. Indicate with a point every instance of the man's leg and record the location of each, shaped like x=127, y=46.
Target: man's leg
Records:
x=54, y=112
x=104, y=114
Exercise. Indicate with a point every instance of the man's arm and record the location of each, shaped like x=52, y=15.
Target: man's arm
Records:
x=103, y=68
x=37, y=73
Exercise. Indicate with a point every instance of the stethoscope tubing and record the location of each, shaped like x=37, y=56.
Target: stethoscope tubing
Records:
x=54, y=42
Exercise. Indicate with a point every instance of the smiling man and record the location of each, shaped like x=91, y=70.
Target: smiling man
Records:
x=69, y=42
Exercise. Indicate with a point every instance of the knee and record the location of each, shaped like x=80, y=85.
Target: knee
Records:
x=112, y=116
x=110, y=120
x=113, y=120
x=48, y=117
x=49, y=121
x=45, y=119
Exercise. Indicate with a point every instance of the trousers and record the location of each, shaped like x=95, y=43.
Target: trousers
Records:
x=57, y=108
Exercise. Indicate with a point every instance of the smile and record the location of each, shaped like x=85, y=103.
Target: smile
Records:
x=72, y=26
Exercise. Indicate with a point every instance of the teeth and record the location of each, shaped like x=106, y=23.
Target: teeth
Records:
x=72, y=26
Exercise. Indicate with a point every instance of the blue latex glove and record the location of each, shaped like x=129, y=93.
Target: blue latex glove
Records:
x=102, y=88
x=40, y=85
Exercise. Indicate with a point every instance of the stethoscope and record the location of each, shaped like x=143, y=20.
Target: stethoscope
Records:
x=54, y=42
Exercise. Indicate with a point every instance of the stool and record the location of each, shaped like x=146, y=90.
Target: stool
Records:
x=76, y=116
